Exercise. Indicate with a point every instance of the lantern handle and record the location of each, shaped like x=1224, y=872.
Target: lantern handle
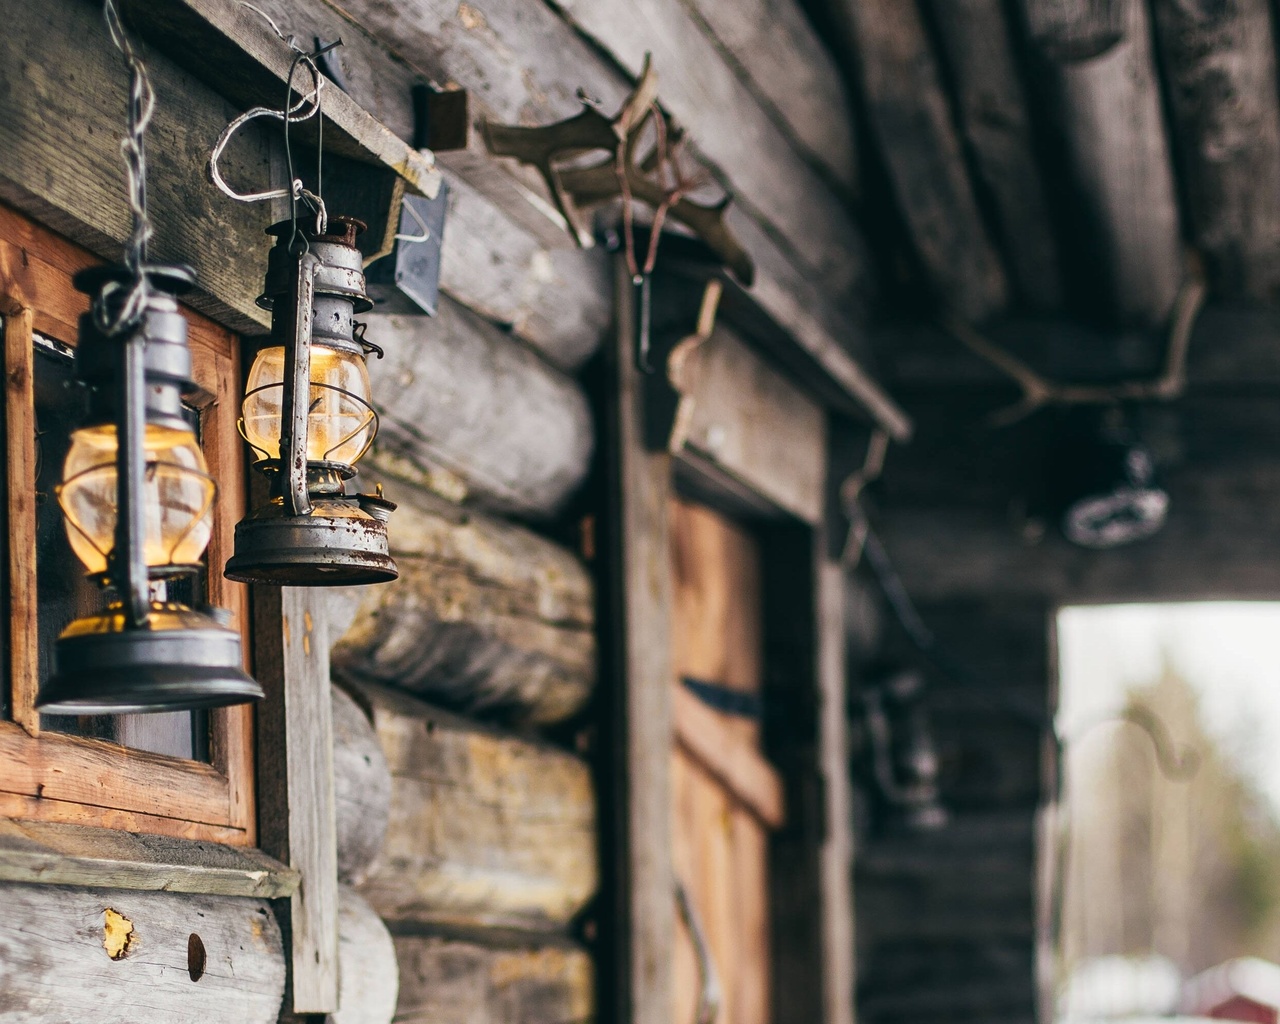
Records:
x=297, y=388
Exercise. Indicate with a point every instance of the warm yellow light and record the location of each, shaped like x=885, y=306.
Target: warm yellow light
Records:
x=177, y=496
x=340, y=419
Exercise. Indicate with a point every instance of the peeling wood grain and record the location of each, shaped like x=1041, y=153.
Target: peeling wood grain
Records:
x=487, y=830
x=908, y=109
x=361, y=789
x=448, y=981
x=1219, y=60
x=54, y=967
x=459, y=398
x=487, y=618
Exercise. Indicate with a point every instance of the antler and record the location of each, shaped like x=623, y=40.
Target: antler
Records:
x=573, y=188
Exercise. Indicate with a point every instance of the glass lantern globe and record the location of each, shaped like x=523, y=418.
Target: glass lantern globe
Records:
x=340, y=417
x=177, y=498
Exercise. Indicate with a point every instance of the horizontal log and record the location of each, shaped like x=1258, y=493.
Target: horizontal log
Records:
x=58, y=854
x=554, y=297
x=1220, y=63
x=447, y=980
x=487, y=830
x=1121, y=161
x=486, y=618
x=368, y=973
x=908, y=109
x=361, y=788
x=119, y=957
x=465, y=407
x=793, y=75
x=995, y=117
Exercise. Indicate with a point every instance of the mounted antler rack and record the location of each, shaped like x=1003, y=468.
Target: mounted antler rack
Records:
x=656, y=179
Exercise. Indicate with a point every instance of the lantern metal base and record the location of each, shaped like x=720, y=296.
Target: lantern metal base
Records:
x=339, y=544
x=180, y=659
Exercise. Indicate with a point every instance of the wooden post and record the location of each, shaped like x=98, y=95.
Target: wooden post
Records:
x=641, y=594
x=835, y=859
x=296, y=822
x=20, y=487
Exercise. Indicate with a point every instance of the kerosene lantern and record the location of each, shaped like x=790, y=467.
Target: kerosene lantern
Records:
x=308, y=417
x=138, y=504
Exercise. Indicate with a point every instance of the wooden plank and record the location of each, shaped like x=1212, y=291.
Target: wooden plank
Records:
x=486, y=618
x=773, y=48
x=470, y=46
x=20, y=494
x=468, y=412
x=296, y=816
x=995, y=119
x=210, y=36
x=446, y=980
x=644, y=729
x=757, y=425
x=908, y=109
x=361, y=790
x=729, y=757
x=368, y=975
x=1120, y=157
x=1219, y=61
x=487, y=829
x=836, y=856
x=57, y=854
x=56, y=961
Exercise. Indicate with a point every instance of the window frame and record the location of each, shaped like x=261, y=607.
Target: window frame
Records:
x=54, y=777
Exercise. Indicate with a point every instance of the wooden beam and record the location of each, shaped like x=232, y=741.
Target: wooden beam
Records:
x=57, y=854
x=486, y=618
x=908, y=109
x=82, y=954
x=784, y=63
x=643, y=729
x=488, y=830
x=995, y=118
x=1220, y=64
x=1069, y=30
x=296, y=818
x=473, y=414
x=1113, y=122
x=21, y=632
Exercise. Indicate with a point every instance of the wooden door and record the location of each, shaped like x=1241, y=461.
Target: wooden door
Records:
x=725, y=794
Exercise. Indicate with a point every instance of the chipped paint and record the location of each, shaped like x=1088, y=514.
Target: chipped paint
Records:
x=117, y=934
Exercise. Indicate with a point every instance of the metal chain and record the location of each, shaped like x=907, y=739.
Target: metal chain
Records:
x=112, y=313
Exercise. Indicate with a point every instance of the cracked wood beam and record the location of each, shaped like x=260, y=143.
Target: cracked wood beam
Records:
x=1219, y=61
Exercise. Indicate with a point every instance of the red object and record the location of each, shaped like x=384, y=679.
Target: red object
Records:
x=1245, y=1009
